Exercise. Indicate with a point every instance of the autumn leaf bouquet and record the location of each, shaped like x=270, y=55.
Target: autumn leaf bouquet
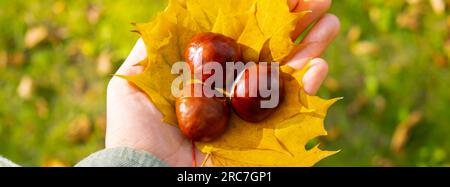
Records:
x=232, y=130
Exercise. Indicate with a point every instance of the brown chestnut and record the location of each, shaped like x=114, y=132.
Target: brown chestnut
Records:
x=247, y=98
x=202, y=118
x=211, y=47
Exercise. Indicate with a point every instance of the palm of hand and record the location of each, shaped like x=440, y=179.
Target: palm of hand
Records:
x=133, y=121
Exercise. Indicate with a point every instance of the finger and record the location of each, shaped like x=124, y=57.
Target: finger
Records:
x=316, y=74
x=293, y=4
x=118, y=87
x=317, y=7
x=315, y=43
x=137, y=54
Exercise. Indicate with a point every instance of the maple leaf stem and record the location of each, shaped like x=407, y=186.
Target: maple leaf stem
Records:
x=194, y=159
x=205, y=160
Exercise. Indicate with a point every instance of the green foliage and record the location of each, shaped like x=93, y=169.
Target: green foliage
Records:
x=63, y=120
x=390, y=63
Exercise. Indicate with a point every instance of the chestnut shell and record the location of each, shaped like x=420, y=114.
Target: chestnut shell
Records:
x=202, y=118
x=249, y=108
x=211, y=47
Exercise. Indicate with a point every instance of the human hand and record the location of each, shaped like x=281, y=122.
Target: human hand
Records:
x=133, y=121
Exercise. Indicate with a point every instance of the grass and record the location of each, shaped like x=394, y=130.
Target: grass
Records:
x=390, y=63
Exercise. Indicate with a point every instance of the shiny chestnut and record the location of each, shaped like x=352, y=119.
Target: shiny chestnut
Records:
x=246, y=98
x=202, y=118
x=211, y=47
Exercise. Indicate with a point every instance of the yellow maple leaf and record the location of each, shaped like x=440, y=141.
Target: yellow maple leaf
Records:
x=264, y=28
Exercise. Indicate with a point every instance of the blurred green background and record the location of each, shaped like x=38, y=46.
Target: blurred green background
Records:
x=390, y=63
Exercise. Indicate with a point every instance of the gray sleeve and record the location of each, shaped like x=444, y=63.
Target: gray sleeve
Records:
x=121, y=157
x=6, y=163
